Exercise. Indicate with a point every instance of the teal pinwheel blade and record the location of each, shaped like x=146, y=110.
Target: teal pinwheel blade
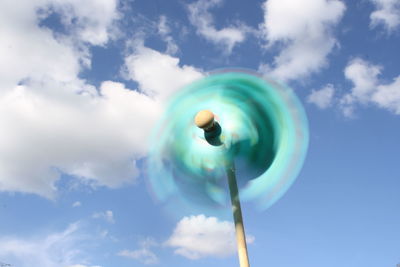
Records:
x=263, y=132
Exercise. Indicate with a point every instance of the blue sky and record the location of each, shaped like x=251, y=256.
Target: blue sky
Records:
x=83, y=82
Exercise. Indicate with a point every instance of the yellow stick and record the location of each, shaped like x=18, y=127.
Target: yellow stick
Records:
x=237, y=217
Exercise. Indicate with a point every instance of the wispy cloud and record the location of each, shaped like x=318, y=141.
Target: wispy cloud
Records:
x=143, y=254
x=164, y=31
x=76, y=204
x=107, y=215
x=201, y=18
x=323, y=97
x=66, y=248
x=386, y=13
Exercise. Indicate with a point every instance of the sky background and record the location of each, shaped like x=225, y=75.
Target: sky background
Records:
x=83, y=82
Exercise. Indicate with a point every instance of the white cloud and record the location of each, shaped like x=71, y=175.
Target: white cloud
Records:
x=201, y=18
x=388, y=96
x=165, y=32
x=364, y=77
x=48, y=131
x=163, y=27
x=322, y=98
x=303, y=31
x=199, y=236
x=369, y=89
x=36, y=52
x=45, y=108
x=52, y=121
x=52, y=128
x=31, y=51
x=107, y=215
x=143, y=254
x=91, y=21
x=387, y=12
x=64, y=248
x=158, y=74
x=76, y=204
x=80, y=265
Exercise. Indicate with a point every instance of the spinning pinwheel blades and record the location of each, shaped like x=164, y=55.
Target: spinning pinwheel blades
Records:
x=199, y=133
x=227, y=123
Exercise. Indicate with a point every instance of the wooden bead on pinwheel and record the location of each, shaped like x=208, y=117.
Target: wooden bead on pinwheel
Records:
x=204, y=119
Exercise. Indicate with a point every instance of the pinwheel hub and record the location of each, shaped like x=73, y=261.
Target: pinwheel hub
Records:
x=205, y=120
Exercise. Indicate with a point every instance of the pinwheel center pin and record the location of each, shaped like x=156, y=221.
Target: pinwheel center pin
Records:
x=205, y=120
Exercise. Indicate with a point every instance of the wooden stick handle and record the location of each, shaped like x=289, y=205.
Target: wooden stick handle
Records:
x=204, y=119
x=237, y=217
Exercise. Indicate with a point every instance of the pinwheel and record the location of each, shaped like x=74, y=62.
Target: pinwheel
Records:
x=229, y=132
